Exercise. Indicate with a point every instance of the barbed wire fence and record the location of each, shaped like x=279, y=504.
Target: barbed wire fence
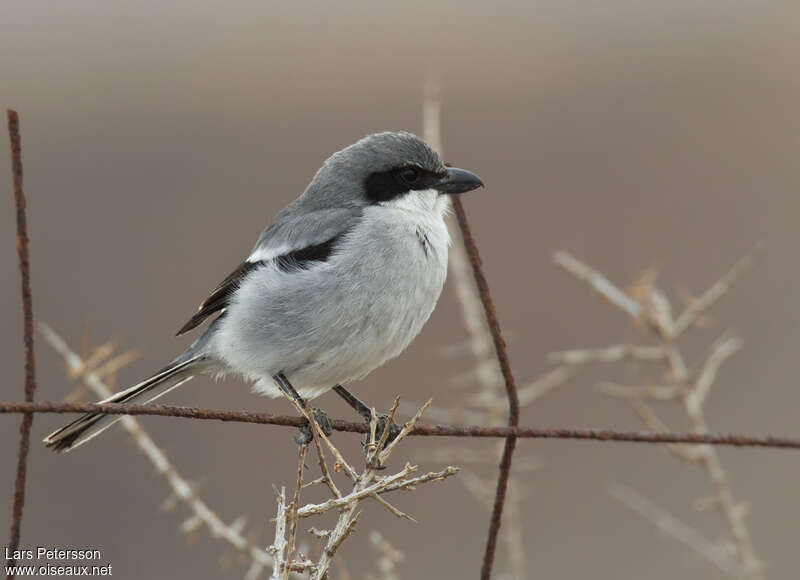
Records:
x=511, y=433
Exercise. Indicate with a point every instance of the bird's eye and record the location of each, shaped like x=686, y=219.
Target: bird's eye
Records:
x=410, y=175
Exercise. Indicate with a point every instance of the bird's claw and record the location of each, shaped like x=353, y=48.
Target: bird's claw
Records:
x=394, y=428
x=307, y=433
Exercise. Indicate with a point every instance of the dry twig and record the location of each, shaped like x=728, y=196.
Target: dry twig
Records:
x=388, y=557
x=202, y=514
x=690, y=389
x=716, y=554
x=366, y=485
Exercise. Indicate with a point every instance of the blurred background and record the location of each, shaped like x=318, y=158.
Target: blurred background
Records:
x=160, y=138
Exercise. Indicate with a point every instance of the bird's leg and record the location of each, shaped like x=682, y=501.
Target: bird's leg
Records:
x=362, y=409
x=357, y=404
x=321, y=417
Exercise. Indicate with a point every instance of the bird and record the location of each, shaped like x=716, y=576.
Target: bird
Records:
x=341, y=281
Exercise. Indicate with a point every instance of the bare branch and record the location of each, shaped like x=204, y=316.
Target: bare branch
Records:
x=610, y=354
x=345, y=526
x=407, y=428
x=181, y=488
x=730, y=509
x=393, y=482
x=291, y=514
x=721, y=350
x=713, y=553
x=649, y=417
x=653, y=392
x=717, y=291
x=280, y=568
x=545, y=384
x=598, y=282
x=654, y=310
x=389, y=557
x=365, y=485
x=387, y=427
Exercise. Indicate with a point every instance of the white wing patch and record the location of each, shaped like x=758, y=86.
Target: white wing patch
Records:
x=269, y=253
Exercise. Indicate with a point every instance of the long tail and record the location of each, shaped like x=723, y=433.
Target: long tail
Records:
x=92, y=424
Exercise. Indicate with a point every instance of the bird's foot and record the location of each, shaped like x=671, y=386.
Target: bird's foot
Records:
x=394, y=428
x=307, y=433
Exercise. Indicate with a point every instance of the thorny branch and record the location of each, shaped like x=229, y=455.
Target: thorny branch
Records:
x=648, y=305
x=366, y=485
x=389, y=557
x=717, y=291
x=27, y=315
x=182, y=489
x=716, y=554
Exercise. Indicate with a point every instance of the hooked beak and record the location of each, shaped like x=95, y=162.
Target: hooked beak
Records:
x=458, y=181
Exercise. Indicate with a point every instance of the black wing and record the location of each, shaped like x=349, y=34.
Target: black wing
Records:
x=220, y=296
x=298, y=259
x=302, y=258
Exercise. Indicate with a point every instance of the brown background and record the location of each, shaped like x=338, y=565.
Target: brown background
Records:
x=159, y=138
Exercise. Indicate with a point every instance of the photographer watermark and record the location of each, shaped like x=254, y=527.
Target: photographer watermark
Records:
x=56, y=562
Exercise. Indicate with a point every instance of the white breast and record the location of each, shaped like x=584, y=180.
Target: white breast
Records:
x=399, y=256
x=339, y=320
x=402, y=265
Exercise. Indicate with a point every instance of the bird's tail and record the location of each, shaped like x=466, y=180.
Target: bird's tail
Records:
x=92, y=424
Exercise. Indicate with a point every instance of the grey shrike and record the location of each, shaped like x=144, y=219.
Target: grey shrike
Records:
x=341, y=281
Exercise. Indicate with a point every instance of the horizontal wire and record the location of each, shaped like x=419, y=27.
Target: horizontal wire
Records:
x=734, y=440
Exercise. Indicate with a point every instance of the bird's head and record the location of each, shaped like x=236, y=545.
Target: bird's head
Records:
x=387, y=168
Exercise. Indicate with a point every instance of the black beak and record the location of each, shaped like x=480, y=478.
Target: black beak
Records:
x=458, y=181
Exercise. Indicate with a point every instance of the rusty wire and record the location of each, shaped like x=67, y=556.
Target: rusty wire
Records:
x=733, y=440
x=508, y=378
x=27, y=315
